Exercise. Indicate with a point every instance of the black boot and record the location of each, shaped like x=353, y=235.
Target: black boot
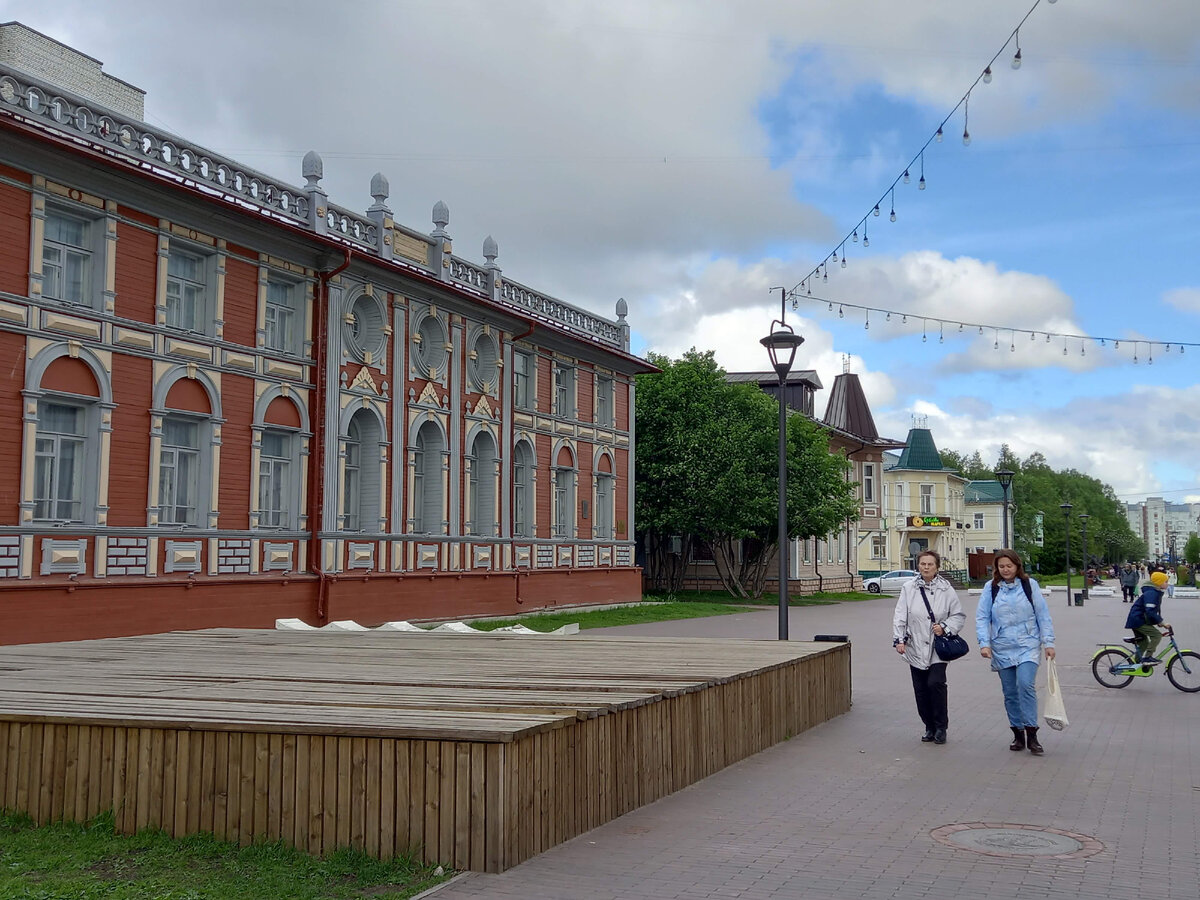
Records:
x=1018, y=739
x=1031, y=739
x=939, y=736
x=927, y=737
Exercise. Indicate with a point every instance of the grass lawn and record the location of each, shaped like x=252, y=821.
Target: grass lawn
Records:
x=90, y=862
x=818, y=598
x=624, y=615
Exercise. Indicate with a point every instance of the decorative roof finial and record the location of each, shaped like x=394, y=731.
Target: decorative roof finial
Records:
x=379, y=190
x=313, y=169
x=622, y=309
x=490, y=250
x=441, y=217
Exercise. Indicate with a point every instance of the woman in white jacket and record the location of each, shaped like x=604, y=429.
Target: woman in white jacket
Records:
x=912, y=636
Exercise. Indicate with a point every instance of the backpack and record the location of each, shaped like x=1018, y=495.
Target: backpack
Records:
x=1026, y=587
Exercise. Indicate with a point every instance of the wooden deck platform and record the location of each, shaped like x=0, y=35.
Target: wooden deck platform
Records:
x=474, y=751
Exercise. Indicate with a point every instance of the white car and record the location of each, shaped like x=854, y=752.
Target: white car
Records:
x=888, y=581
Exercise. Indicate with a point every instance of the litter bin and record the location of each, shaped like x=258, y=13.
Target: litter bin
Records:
x=1079, y=599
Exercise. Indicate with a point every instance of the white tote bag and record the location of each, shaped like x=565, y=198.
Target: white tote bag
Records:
x=1055, y=713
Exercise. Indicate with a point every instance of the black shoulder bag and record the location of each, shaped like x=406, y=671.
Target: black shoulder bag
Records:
x=948, y=647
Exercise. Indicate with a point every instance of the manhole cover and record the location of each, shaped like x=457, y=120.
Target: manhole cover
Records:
x=1016, y=840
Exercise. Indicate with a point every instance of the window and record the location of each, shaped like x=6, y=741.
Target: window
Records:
x=58, y=467
x=427, y=480
x=186, y=291
x=352, y=481
x=878, y=546
x=564, y=503
x=978, y=520
x=179, y=472
x=67, y=258
x=604, y=401
x=523, y=467
x=430, y=350
x=365, y=331
x=564, y=390
x=522, y=380
x=281, y=322
x=482, y=484
x=604, y=506
x=868, y=483
x=274, y=480
x=807, y=545
x=926, y=499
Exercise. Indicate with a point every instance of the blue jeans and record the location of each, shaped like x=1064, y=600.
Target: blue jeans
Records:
x=1020, y=694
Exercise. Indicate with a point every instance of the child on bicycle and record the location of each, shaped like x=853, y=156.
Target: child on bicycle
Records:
x=1145, y=616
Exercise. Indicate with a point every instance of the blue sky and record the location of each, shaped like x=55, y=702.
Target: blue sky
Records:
x=689, y=157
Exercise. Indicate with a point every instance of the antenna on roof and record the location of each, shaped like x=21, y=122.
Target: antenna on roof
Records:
x=920, y=421
x=845, y=363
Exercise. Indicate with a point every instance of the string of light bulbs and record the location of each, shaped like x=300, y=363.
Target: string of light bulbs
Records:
x=917, y=163
x=960, y=328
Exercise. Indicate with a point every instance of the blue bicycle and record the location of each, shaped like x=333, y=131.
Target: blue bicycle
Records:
x=1116, y=667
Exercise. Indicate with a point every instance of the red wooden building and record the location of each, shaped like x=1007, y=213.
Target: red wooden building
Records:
x=230, y=400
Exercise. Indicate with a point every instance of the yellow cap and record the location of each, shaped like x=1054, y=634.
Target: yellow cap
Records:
x=1158, y=579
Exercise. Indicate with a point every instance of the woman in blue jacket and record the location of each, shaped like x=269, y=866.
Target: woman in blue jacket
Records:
x=1012, y=624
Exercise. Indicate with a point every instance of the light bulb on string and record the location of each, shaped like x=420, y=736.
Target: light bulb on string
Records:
x=1181, y=349
x=854, y=237
x=876, y=210
x=841, y=313
x=795, y=304
x=866, y=240
x=907, y=177
x=888, y=317
x=825, y=275
x=834, y=256
x=987, y=75
x=831, y=306
x=1149, y=354
x=1101, y=342
x=1032, y=335
x=1016, y=60
x=1012, y=342
x=924, y=337
x=893, y=216
x=938, y=136
x=996, y=341
x=843, y=260
x=941, y=332
x=981, y=329
x=1168, y=350
x=966, y=119
x=921, y=183
x=960, y=327
x=1047, y=337
x=1116, y=345
x=866, y=319
x=1082, y=349
x=904, y=320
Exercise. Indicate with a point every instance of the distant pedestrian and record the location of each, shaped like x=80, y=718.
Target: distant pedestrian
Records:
x=1129, y=581
x=912, y=634
x=1012, y=623
x=1172, y=580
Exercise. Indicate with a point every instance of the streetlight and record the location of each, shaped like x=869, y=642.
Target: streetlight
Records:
x=1083, y=517
x=1066, y=508
x=1005, y=477
x=781, y=345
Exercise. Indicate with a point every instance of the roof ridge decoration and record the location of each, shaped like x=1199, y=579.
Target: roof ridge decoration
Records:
x=52, y=109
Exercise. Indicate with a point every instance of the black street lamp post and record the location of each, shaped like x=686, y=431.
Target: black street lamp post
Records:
x=781, y=345
x=1083, y=517
x=1005, y=477
x=1066, y=508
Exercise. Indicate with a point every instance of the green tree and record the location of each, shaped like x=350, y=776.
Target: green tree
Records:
x=707, y=470
x=1191, y=550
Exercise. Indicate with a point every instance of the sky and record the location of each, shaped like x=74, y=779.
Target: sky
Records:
x=694, y=157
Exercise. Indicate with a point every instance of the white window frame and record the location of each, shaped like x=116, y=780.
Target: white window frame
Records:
x=481, y=485
x=283, y=316
x=427, y=477
x=523, y=380
x=564, y=390
x=524, y=494
x=178, y=462
x=278, y=480
x=605, y=401
x=868, y=482
x=979, y=520
x=564, y=503
x=49, y=448
x=879, y=546
x=352, y=480
x=927, y=500
x=58, y=255
x=602, y=521
x=178, y=288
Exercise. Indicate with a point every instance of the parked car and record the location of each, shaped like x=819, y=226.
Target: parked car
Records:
x=888, y=581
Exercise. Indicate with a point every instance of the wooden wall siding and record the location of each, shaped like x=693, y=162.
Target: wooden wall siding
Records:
x=621, y=403
x=14, y=239
x=129, y=460
x=487, y=801
x=621, y=515
x=12, y=349
x=237, y=407
x=241, y=302
x=137, y=273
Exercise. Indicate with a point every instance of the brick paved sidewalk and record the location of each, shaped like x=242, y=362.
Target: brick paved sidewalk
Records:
x=846, y=810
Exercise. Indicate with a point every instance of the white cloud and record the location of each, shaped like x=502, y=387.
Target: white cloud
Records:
x=1186, y=299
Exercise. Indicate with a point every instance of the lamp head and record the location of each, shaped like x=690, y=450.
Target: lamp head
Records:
x=1005, y=477
x=781, y=345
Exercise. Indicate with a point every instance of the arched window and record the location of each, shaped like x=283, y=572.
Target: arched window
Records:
x=524, y=465
x=185, y=456
x=605, y=495
x=482, y=484
x=484, y=363
x=360, y=474
x=280, y=472
x=66, y=447
x=427, y=480
x=564, y=494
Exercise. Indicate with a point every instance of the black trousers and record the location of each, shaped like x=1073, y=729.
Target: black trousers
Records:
x=1127, y=591
x=929, y=688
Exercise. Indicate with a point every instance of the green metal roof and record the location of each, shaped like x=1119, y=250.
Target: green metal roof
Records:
x=984, y=492
x=920, y=452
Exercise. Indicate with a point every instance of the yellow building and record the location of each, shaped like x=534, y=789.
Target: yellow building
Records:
x=923, y=506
